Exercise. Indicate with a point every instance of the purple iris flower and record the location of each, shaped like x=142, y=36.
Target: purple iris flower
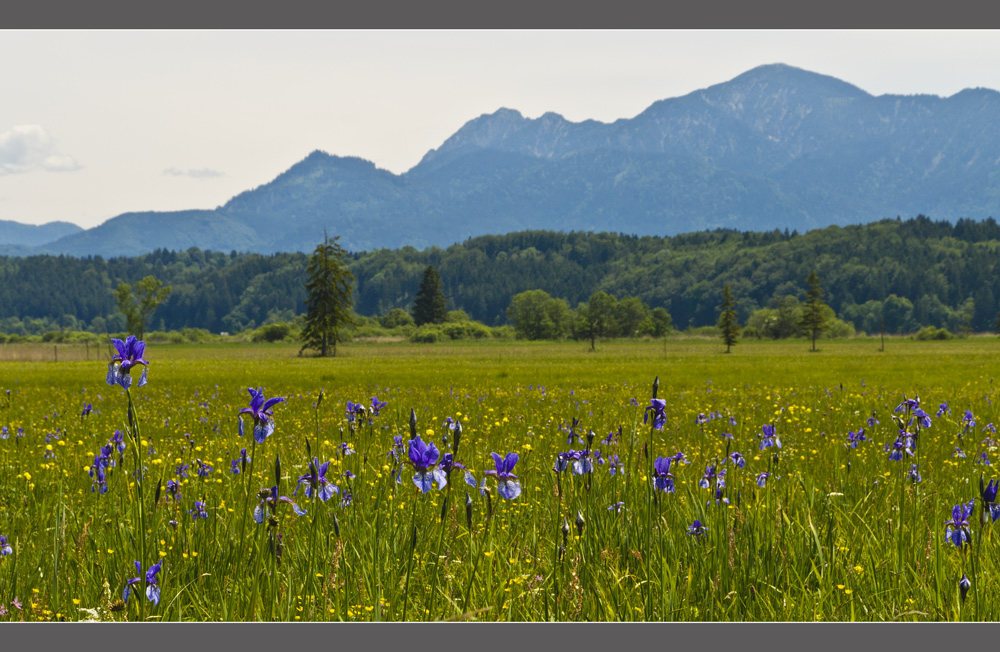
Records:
x=199, y=510
x=908, y=404
x=959, y=453
x=260, y=410
x=738, y=460
x=449, y=423
x=618, y=507
x=152, y=586
x=922, y=418
x=182, y=470
x=316, y=477
x=989, y=496
x=173, y=490
x=615, y=465
x=969, y=421
x=4, y=433
x=354, y=410
x=696, y=528
x=663, y=479
x=270, y=498
x=5, y=548
x=762, y=479
x=897, y=447
x=423, y=457
x=571, y=433
x=943, y=409
x=87, y=409
x=204, y=469
x=871, y=421
x=854, y=438
x=508, y=485
x=448, y=462
x=700, y=419
x=913, y=474
x=658, y=406
x=983, y=459
x=957, y=529
x=563, y=460
x=963, y=586
x=376, y=406
x=706, y=479
x=768, y=438
x=122, y=363
x=582, y=463
x=99, y=476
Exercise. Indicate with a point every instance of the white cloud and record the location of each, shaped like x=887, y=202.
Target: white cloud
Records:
x=25, y=148
x=204, y=173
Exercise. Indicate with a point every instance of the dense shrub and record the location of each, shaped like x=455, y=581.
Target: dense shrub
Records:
x=933, y=333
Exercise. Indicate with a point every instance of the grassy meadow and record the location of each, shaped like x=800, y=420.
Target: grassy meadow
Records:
x=832, y=532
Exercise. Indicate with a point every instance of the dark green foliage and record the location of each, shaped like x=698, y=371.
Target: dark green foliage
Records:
x=596, y=318
x=657, y=324
x=430, y=306
x=396, y=317
x=537, y=316
x=907, y=273
x=328, y=308
x=138, y=305
x=933, y=333
x=272, y=333
x=814, y=317
x=727, y=319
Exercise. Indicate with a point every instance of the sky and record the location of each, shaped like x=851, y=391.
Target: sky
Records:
x=94, y=124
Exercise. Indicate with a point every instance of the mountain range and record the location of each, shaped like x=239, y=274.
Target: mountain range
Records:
x=777, y=147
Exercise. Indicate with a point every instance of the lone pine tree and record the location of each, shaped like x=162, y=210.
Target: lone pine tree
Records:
x=727, y=319
x=814, y=312
x=328, y=306
x=430, y=306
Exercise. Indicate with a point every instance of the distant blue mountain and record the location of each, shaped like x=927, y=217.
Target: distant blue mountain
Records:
x=30, y=235
x=777, y=147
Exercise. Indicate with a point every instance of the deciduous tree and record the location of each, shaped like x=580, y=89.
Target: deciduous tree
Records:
x=139, y=304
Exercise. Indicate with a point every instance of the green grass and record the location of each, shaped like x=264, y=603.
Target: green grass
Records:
x=836, y=533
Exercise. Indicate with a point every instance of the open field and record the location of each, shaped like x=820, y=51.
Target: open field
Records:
x=833, y=533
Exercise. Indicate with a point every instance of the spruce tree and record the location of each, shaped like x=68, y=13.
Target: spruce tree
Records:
x=814, y=309
x=430, y=306
x=328, y=306
x=727, y=319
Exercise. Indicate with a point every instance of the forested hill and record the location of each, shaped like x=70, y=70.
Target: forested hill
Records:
x=924, y=272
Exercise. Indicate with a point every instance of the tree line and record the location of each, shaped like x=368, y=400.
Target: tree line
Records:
x=896, y=275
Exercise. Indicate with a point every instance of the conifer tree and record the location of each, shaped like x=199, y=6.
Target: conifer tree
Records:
x=727, y=319
x=430, y=306
x=328, y=307
x=814, y=310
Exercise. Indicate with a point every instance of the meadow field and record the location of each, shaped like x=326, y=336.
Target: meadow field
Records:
x=769, y=484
